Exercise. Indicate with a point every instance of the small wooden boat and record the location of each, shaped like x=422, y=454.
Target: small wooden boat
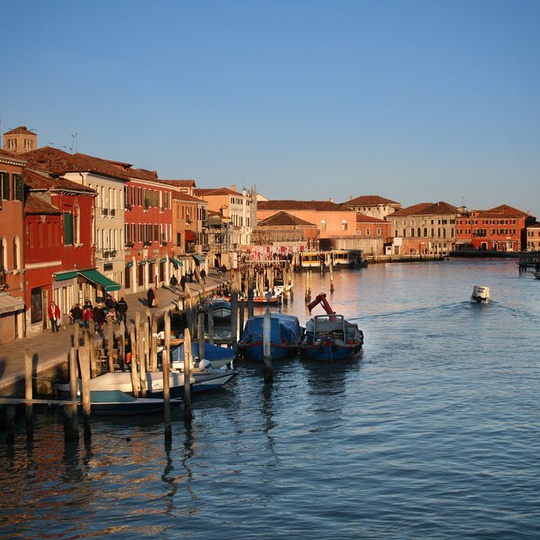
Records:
x=285, y=336
x=330, y=337
x=220, y=308
x=118, y=403
x=214, y=355
x=480, y=295
x=202, y=380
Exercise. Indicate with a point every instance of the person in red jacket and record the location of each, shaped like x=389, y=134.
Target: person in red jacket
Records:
x=54, y=316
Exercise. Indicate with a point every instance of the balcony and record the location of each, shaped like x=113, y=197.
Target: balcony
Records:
x=104, y=211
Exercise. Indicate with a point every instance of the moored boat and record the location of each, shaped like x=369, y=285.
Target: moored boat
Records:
x=201, y=380
x=220, y=308
x=330, y=337
x=285, y=336
x=216, y=356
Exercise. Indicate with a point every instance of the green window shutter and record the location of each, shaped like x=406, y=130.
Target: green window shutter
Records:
x=19, y=187
x=4, y=176
x=68, y=229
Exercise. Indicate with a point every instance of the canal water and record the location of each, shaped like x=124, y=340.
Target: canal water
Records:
x=433, y=433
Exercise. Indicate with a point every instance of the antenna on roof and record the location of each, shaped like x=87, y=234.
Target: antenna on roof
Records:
x=74, y=142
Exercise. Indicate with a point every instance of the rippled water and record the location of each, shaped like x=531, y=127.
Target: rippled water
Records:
x=432, y=433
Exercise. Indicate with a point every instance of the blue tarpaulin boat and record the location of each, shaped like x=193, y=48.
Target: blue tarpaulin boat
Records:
x=285, y=336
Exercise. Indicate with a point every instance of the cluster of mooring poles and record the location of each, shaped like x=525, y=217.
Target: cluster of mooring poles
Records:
x=137, y=349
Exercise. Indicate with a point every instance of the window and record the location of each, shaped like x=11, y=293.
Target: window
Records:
x=76, y=223
x=4, y=178
x=68, y=229
x=323, y=224
x=344, y=225
x=16, y=253
x=18, y=187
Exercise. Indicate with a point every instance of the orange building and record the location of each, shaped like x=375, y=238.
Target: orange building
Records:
x=502, y=228
x=12, y=278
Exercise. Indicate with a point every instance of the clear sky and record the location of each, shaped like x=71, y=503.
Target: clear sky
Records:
x=416, y=101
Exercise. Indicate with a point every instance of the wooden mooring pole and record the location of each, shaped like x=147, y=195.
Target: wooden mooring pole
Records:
x=71, y=420
x=84, y=368
x=166, y=367
x=188, y=413
x=29, y=410
x=267, y=349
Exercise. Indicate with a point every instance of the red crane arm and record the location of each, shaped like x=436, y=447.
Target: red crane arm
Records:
x=321, y=299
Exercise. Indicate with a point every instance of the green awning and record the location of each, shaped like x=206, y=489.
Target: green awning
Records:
x=63, y=276
x=129, y=264
x=163, y=259
x=198, y=258
x=176, y=262
x=142, y=263
x=152, y=261
x=99, y=279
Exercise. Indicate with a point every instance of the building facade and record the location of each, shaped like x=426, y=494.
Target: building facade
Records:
x=12, y=275
x=424, y=229
x=502, y=228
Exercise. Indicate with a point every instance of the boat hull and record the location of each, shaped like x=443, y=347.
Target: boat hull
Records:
x=331, y=338
x=330, y=352
x=285, y=335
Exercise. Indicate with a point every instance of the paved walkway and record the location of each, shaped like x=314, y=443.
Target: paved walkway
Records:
x=51, y=349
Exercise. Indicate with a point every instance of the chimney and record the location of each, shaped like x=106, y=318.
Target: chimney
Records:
x=233, y=187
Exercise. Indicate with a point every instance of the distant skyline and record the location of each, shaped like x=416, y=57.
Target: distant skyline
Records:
x=415, y=101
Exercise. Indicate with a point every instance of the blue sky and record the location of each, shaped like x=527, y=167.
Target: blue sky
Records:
x=416, y=101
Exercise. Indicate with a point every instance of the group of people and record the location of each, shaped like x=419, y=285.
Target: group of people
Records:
x=113, y=310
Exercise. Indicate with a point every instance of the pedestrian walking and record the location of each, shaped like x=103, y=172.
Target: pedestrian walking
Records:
x=183, y=283
x=150, y=297
x=99, y=317
x=54, y=316
x=77, y=314
x=121, y=310
x=88, y=313
x=173, y=282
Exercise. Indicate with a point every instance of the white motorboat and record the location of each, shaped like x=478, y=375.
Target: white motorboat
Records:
x=480, y=294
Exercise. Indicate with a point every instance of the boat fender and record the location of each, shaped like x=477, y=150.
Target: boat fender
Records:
x=204, y=363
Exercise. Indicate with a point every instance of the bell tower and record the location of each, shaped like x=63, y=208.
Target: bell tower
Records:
x=20, y=140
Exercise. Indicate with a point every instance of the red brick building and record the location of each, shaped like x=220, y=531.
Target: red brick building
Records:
x=12, y=279
x=502, y=228
x=59, y=256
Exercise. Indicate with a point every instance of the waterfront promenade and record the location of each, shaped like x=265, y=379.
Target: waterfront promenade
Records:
x=52, y=349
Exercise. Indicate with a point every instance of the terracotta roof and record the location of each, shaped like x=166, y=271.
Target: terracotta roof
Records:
x=419, y=209
x=59, y=162
x=209, y=192
x=177, y=195
x=10, y=156
x=361, y=218
x=39, y=180
x=370, y=200
x=284, y=219
x=20, y=130
x=34, y=204
x=502, y=211
x=319, y=206
x=180, y=183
